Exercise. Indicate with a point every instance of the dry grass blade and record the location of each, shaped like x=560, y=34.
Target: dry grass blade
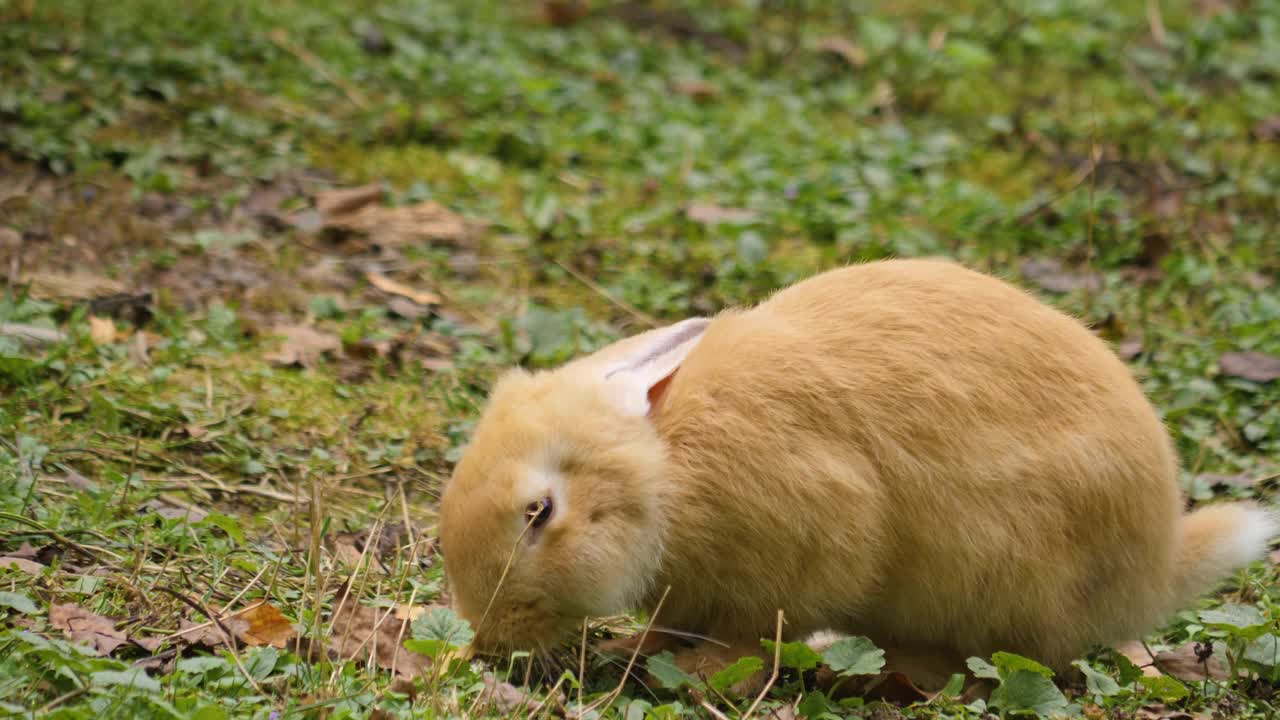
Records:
x=773, y=677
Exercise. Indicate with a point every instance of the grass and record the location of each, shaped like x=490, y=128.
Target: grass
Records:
x=167, y=470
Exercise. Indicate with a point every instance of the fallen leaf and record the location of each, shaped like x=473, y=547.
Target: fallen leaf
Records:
x=508, y=699
x=266, y=626
x=1268, y=129
x=847, y=51
x=206, y=633
x=1138, y=655
x=1184, y=663
x=1255, y=366
x=387, y=285
x=1129, y=349
x=345, y=201
x=87, y=628
x=897, y=688
x=1274, y=557
x=102, y=330
x=350, y=556
x=359, y=631
x=708, y=214
x=31, y=567
x=303, y=345
x=31, y=334
x=391, y=227
x=1241, y=480
x=1049, y=274
x=1162, y=712
x=69, y=286
x=563, y=13
x=139, y=347
x=407, y=309
x=696, y=89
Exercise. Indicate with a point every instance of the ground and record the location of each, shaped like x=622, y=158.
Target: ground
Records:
x=263, y=261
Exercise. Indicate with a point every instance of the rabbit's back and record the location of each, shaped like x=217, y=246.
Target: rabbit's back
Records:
x=930, y=444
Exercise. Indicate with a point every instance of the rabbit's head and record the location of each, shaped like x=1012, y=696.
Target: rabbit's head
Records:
x=553, y=514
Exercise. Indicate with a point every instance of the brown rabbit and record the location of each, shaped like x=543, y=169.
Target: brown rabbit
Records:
x=907, y=450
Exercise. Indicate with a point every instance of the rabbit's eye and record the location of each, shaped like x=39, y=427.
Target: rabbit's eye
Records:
x=538, y=512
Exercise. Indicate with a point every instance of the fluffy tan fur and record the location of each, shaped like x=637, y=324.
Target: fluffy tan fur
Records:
x=907, y=450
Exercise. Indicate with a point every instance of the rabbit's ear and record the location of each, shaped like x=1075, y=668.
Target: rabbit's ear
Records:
x=637, y=382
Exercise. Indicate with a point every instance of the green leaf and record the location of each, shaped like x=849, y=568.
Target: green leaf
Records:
x=814, y=705
x=1028, y=691
x=133, y=677
x=1129, y=672
x=795, y=655
x=1009, y=663
x=983, y=669
x=224, y=523
x=209, y=712
x=202, y=664
x=954, y=686
x=430, y=648
x=1098, y=683
x=1264, y=651
x=1164, y=687
x=1235, y=618
x=19, y=602
x=262, y=662
x=443, y=624
x=663, y=667
x=854, y=656
x=736, y=673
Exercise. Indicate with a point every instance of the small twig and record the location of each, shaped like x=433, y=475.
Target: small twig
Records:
x=714, y=712
x=1082, y=175
x=596, y=288
x=1155, y=20
x=227, y=634
x=607, y=700
x=282, y=40
x=777, y=663
x=61, y=699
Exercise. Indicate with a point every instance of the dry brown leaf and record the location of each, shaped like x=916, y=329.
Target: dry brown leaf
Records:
x=1241, y=480
x=1129, y=349
x=396, y=226
x=303, y=345
x=344, y=201
x=563, y=13
x=102, y=330
x=87, y=628
x=1255, y=366
x=359, y=631
x=1050, y=275
x=847, y=51
x=70, y=286
x=897, y=688
x=1184, y=663
x=709, y=214
x=206, y=633
x=507, y=699
x=387, y=285
x=31, y=567
x=266, y=626
x=407, y=309
x=31, y=334
x=169, y=511
x=696, y=89
x=1268, y=129
x=1163, y=712
x=1137, y=654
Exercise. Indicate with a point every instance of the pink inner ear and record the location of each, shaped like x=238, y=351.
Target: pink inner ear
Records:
x=691, y=329
x=659, y=390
